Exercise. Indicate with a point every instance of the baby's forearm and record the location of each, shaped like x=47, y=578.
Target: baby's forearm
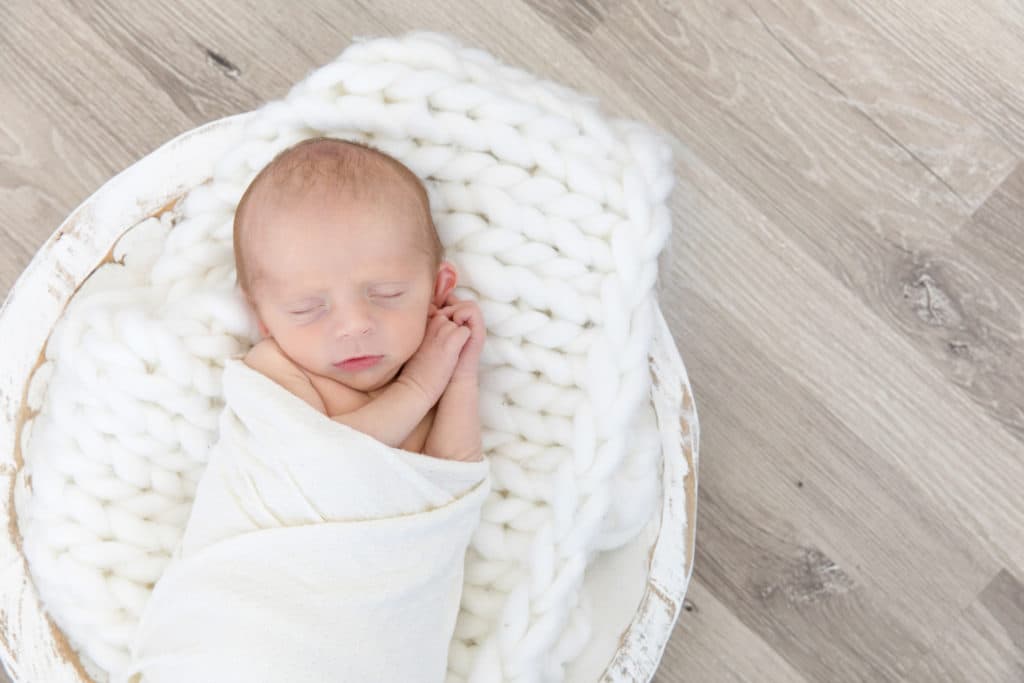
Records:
x=455, y=434
x=391, y=416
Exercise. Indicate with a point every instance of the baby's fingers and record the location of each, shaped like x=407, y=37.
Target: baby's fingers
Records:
x=472, y=316
x=460, y=314
x=434, y=325
x=458, y=336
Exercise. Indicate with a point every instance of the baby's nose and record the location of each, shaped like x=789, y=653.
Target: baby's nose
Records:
x=355, y=321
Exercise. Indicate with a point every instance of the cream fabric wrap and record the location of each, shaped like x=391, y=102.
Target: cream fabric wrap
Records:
x=313, y=553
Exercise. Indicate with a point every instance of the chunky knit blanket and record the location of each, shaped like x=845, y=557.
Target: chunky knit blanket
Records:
x=554, y=215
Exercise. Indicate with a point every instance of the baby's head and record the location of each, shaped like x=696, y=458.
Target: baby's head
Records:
x=338, y=257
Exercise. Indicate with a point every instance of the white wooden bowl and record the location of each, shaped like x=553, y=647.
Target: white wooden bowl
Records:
x=637, y=590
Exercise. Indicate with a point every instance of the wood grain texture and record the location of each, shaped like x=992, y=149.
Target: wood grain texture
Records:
x=972, y=50
x=876, y=76
x=975, y=307
x=845, y=281
x=988, y=635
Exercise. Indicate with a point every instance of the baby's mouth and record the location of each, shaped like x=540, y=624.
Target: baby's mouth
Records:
x=358, y=363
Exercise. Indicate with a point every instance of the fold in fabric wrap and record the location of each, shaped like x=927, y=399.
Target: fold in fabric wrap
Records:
x=313, y=553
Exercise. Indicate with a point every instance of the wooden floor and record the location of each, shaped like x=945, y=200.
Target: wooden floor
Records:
x=845, y=285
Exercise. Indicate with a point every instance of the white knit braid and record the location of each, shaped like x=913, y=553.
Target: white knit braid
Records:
x=554, y=216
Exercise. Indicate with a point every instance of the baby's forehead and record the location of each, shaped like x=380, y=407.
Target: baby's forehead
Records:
x=368, y=227
x=386, y=194
x=385, y=236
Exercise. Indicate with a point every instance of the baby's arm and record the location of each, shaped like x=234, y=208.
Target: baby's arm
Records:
x=455, y=434
x=392, y=415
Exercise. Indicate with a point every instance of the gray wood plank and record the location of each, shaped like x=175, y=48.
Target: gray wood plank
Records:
x=878, y=77
x=572, y=18
x=871, y=379
x=971, y=298
x=802, y=527
x=984, y=642
x=1004, y=600
x=971, y=50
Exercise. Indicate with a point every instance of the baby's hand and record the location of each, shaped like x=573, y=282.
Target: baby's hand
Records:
x=430, y=368
x=467, y=314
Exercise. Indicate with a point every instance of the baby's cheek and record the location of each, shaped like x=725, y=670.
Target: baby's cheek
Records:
x=308, y=337
x=410, y=334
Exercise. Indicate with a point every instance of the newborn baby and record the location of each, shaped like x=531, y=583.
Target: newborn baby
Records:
x=314, y=552
x=339, y=260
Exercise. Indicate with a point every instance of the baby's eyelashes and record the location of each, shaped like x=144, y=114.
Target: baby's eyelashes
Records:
x=314, y=308
x=308, y=309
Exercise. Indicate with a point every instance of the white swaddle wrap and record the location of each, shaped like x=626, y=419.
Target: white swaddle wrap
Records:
x=313, y=553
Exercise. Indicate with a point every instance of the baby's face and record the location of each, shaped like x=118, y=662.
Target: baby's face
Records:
x=353, y=283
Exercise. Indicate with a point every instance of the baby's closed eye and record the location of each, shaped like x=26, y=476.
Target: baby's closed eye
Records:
x=313, y=308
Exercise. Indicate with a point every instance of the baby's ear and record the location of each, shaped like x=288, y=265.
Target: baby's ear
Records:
x=445, y=282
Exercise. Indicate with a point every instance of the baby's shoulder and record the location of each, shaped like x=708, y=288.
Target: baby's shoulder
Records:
x=266, y=354
x=267, y=358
